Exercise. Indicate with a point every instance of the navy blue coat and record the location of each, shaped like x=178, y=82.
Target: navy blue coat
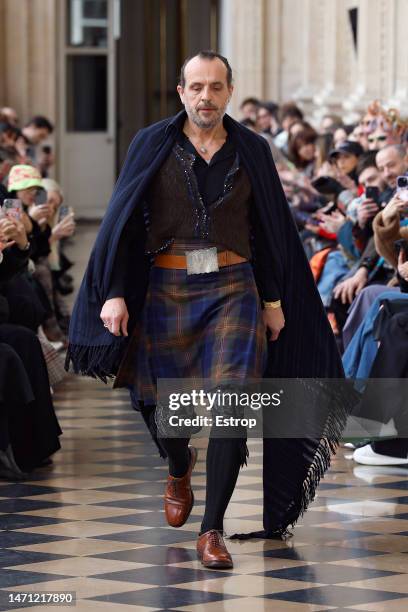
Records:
x=306, y=346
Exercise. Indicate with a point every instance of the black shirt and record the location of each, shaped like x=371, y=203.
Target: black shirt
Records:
x=210, y=179
x=210, y=175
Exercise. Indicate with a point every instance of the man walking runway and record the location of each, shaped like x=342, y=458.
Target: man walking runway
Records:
x=198, y=261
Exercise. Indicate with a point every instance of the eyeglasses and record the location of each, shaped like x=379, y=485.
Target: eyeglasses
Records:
x=377, y=138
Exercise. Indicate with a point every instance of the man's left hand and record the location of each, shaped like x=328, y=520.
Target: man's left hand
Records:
x=274, y=321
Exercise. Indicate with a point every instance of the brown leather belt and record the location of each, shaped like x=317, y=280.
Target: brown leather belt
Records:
x=179, y=262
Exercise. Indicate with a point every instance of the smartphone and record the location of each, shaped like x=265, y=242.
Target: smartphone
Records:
x=63, y=212
x=401, y=245
x=373, y=193
x=329, y=208
x=327, y=185
x=13, y=208
x=402, y=187
x=40, y=197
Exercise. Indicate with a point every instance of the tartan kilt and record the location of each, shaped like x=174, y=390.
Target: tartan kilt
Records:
x=196, y=326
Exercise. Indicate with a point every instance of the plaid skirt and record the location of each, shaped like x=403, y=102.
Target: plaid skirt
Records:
x=206, y=326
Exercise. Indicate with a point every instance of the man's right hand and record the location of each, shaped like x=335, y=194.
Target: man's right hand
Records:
x=366, y=211
x=115, y=316
x=393, y=209
x=346, y=290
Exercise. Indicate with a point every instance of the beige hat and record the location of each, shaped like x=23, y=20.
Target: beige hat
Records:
x=22, y=176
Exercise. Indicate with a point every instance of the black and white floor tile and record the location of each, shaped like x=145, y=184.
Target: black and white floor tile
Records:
x=93, y=523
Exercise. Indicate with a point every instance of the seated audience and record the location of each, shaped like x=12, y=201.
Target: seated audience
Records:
x=30, y=428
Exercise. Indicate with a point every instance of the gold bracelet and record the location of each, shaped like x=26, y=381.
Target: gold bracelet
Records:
x=276, y=304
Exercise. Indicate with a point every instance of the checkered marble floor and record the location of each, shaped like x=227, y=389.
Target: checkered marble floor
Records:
x=93, y=523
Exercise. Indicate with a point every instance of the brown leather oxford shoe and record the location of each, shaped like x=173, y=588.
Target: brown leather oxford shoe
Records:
x=178, y=496
x=212, y=552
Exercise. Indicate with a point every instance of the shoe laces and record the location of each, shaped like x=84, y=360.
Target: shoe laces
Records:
x=174, y=488
x=216, y=538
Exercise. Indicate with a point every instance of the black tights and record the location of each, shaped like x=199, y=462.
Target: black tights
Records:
x=224, y=458
x=178, y=455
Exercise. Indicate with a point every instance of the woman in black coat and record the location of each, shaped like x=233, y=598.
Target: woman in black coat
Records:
x=28, y=421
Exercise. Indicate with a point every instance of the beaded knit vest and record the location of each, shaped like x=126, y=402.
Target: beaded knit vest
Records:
x=176, y=211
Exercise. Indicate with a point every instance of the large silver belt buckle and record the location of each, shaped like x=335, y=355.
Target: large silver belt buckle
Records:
x=202, y=261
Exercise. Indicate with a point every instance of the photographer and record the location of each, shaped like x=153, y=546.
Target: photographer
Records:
x=390, y=225
x=62, y=225
x=25, y=183
x=391, y=162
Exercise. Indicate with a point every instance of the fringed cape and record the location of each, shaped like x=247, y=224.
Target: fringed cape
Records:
x=305, y=348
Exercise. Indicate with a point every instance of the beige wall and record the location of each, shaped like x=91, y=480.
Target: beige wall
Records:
x=279, y=50
x=28, y=57
x=2, y=53
x=303, y=50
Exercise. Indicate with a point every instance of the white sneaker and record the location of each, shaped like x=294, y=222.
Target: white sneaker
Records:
x=367, y=456
x=372, y=474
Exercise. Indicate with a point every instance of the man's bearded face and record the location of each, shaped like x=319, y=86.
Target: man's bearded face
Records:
x=206, y=93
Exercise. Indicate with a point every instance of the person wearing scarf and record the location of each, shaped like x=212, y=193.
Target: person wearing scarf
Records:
x=197, y=264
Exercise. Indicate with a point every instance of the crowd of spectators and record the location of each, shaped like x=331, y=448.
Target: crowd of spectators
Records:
x=346, y=190
x=347, y=187
x=34, y=283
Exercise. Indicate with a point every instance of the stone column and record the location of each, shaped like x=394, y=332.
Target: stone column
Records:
x=3, y=91
x=30, y=74
x=291, y=49
x=242, y=40
x=337, y=52
x=311, y=57
x=399, y=95
x=272, y=68
x=375, y=55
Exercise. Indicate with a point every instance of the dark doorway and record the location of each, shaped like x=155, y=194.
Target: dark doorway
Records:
x=156, y=37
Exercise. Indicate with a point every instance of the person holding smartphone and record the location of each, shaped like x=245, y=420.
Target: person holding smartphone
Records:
x=25, y=183
x=391, y=225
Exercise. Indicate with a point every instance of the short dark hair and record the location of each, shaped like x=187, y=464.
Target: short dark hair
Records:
x=250, y=100
x=248, y=123
x=290, y=109
x=271, y=107
x=208, y=55
x=367, y=160
x=41, y=122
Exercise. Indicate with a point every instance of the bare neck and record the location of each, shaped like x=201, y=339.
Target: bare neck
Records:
x=217, y=132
